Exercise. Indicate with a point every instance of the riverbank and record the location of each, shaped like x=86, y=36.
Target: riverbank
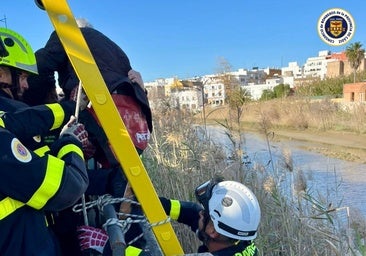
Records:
x=346, y=146
x=341, y=145
x=305, y=122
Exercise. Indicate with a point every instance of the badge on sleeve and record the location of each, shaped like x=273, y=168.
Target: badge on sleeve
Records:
x=20, y=152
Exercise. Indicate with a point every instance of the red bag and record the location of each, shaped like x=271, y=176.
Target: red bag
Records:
x=133, y=118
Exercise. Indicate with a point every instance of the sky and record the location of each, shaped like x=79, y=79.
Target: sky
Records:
x=187, y=38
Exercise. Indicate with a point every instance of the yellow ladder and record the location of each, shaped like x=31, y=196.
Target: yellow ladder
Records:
x=84, y=64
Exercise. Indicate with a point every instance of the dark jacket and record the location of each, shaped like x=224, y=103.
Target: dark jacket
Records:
x=8, y=104
x=113, y=65
x=33, y=182
x=242, y=248
x=111, y=60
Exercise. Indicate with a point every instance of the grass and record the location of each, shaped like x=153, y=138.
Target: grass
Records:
x=295, y=219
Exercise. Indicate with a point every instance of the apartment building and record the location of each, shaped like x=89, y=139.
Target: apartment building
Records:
x=292, y=70
x=210, y=89
x=317, y=66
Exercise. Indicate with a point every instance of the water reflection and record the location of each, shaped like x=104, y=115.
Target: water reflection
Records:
x=335, y=179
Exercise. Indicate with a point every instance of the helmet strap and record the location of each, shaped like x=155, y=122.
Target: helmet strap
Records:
x=15, y=86
x=207, y=239
x=10, y=88
x=201, y=234
x=5, y=85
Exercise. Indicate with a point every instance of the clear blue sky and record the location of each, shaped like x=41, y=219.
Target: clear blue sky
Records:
x=185, y=38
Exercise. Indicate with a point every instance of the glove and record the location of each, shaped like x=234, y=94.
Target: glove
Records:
x=92, y=238
x=83, y=101
x=77, y=130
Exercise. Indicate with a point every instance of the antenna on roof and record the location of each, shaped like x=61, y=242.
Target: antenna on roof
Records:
x=4, y=20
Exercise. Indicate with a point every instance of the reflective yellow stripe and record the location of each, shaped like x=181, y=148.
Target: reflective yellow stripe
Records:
x=70, y=148
x=250, y=250
x=174, y=209
x=58, y=114
x=2, y=123
x=42, y=150
x=132, y=251
x=50, y=184
x=8, y=206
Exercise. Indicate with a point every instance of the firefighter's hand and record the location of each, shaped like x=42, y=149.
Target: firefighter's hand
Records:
x=92, y=238
x=77, y=130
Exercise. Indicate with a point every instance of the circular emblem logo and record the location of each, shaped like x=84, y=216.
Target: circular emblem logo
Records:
x=20, y=152
x=336, y=26
x=227, y=201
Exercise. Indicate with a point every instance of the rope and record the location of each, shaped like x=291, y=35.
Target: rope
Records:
x=76, y=114
x=124, y=224
x=101, y=201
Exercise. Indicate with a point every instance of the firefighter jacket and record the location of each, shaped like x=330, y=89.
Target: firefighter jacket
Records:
x=33, y=182
x=188, y=214
x=8, y=104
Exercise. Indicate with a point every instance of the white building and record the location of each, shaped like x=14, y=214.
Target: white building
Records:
x=254, y=76
x=187, y=98
x=317, y=66
x=255, y=81
x=292, y=70
x=214, y=90
x=256, y=90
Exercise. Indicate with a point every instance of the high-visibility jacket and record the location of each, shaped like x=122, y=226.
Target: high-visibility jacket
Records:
x=134, y=251
x=29, y=124
x=31, y=183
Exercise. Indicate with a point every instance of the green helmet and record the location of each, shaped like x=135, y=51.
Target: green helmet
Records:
x=16, y=52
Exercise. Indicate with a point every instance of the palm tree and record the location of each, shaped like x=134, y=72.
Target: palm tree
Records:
x=355, y=55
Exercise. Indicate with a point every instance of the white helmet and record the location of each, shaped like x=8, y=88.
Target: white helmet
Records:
x=234, y=210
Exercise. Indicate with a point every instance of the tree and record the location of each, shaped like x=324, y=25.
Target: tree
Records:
x=267, y=94
x=355, y=55
x=236, y=98
x=279, y=91
x=282, y=90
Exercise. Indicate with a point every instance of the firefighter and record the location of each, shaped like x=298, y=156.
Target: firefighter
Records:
x=33, y=182
x=226, y=221
x=17, y=61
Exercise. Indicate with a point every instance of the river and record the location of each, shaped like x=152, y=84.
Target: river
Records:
x=341, y=182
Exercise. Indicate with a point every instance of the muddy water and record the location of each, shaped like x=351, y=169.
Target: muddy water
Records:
x=342, y=183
